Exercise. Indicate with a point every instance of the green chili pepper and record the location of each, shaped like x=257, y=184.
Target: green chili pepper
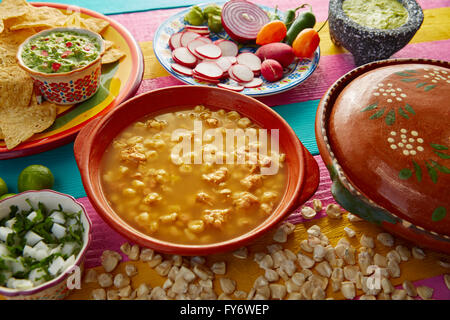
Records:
x=195, y=16
x=215, y=23
x=304, y=20
x=275, y=15
x=212, y=9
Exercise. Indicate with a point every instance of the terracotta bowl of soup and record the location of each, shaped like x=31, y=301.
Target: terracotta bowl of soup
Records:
x=114, y=162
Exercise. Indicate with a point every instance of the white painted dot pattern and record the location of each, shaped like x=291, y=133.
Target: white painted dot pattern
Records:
x=408, y=142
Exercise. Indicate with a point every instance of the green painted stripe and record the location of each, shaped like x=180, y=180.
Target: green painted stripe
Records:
x=301, y=117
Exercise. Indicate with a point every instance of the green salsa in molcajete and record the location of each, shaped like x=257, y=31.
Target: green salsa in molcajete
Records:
x=60, y=51
x=378, y=14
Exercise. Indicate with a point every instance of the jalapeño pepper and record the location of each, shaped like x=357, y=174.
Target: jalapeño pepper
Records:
x=304, y=20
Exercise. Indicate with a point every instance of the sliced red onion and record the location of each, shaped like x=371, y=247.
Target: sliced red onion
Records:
x=242, y=20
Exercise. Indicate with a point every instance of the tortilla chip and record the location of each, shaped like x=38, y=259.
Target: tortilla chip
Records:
x=112, y=55
x=16, y=87
x=7, y=55
x=38, y=17
x=108, y=44
x=20, y=123
x=94, y=24
x=13, y=8
x=2, y=26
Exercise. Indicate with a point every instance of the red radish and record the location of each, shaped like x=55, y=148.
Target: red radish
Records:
x=242, y=20
x=206, y=40
x=229, y=48
x=197, y=28
x=205, y=79
x=209, y=51
x=232, y=76
x=195, y=44
x=250, y=60
x=230, y=87
x=233, y=60
x=174, y=41
x=256, y=82
x=187, y=37
x=280, y=52
x=223, y=63
x=181, y=69
x=182, y=56
x=209, y=69
x=242, y=73
x=271, y=70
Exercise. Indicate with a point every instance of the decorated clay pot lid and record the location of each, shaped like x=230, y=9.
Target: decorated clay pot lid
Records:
x=389, y=131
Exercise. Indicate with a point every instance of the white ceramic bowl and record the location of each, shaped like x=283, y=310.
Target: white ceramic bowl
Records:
x=56, y=288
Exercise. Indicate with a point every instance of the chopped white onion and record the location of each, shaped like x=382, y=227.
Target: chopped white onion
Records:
x=20, y=284
x=68, y=248
x=58, y=230
x=56, y=266
x=58, y=217
x=32, y=215
x=32, y=238
x=10, y=223
x=4, y=231
x=36, y=276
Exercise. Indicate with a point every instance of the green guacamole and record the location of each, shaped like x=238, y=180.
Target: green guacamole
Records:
x=378, y=14
x=60, y=51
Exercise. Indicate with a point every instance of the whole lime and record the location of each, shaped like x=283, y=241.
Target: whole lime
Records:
x=7, y=195
x=3, y=187
x=35, y=177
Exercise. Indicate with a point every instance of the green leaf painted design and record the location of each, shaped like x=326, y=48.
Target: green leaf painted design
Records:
x=405, y=174
x=390, y=118
x=410, y=109
x=438, y=146
x=438, y=214
x=428, y=88
x=418, y=171
x=403, y=113
x=409, y=80
x=432, y=172
x=411, y=71
x=370, y=107
x=442, y=155
x=377, y=114
x=421, y=84
x=441, y=168
x=404, y=74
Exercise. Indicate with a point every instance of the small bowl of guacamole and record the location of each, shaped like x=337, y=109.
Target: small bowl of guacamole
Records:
x=65, y=63
x=373, y=29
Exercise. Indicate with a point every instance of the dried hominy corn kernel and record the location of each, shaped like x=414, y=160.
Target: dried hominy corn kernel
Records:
x=305, y=246
x=219, y=267
x=418, y=253
x=277, y=291
x=131, y=270
x=98, y=294
x=410, y=288
x=91, y=276
x=348, y=290
x=155, y=261
x=425, y=292
x=134, y=252
x=121, y=280
x=350, y=232
x=304, y=261
x=110, y=259
x=387, y=286
x=386, y=239
x=271, y=275
x=404, y=252
x=146, y=254
x=447, y=280
x=353, y=218
x=398, y=295
x=280, y=235
x=105, y=280
x=308, y=212
x=334, y=211
x=241, y=253
x=367, y=241
x=317, y=205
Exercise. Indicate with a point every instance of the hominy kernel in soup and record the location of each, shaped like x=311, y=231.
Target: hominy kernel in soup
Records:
x=206, y=194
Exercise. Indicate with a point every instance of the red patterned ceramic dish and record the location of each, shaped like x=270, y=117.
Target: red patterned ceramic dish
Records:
x=70, y=87
x=383, y=132
x=93, y=140
x=57, y=288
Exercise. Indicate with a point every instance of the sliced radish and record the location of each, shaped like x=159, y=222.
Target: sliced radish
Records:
x=181, y=69
x=195, y=44
x=182, y=56
x=250, y=60
x=229, y=48
x=197, y=28
x=233, y=60
x=242, y=73
x=223, y=63
x=232, y=76
x=174, y=41
x=206, y=40
x=209, y=51
x=205, y=79
x=187, y=37
x=256, y=82
x=230, y=87
x=209, y=70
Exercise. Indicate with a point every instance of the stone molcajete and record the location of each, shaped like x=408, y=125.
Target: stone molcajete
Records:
x=370, y=44
x=383, y=132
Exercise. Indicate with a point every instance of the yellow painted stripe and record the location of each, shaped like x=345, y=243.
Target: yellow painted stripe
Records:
x=246, y=271
x=436, y=26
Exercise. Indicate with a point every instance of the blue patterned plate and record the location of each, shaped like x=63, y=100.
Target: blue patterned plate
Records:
x=295, y=74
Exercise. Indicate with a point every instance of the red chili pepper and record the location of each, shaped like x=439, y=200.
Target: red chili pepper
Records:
x=56, y=66
x=33, y=47
x=86, y=48
x=44, y=53
x=306, y=43
x=69, y=44
x=65, y=54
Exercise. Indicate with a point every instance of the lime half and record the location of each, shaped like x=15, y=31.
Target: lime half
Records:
x=3, y=187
